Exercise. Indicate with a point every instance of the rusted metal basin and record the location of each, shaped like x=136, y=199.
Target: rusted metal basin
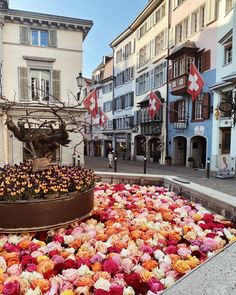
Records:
x=44, y=214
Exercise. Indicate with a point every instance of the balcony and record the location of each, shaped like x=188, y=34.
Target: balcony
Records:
x=151, y=128
x=179, y=85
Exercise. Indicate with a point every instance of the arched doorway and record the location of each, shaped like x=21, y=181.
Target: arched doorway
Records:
x=180, y=145
x=154, y=149
x=198, y=151
x=140, y=145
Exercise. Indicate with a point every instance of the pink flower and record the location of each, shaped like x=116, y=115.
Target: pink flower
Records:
x=14, y=270
x=116, y=290
x=127, y=265
x=146, y=249
x=110, y=266
x=183, y=252
x=101, y=292
x=171, y=249
x=11, y=288
x=57, y=259
x=69, y=275
x=155, y=286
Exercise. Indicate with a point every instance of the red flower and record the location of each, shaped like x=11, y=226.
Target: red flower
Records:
x=82, y=261
x=110, y=266
x=171, y=249
x=134, y=281
x=69, y=263
x=58, y=238
x=53, y=252
x=48, y=274
x=27, y=261
x=155, y=285
x=11, y=288
x=116, y=290
x=101, y=292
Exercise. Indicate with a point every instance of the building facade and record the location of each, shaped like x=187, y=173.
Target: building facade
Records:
x=41, y=55
x=192, y=40
x=224, y=131
x=139, y=68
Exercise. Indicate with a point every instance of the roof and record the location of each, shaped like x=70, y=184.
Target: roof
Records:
x=186, y=46
x=146, y=98
x=21, y=16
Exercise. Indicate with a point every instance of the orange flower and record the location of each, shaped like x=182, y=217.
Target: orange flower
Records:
x=197, y=217
x=1, y=288
x=186, y=229
x=181, y=266
x=136, y=234
x=96, y=266
x=102, y=237
x=101, y=274
x=43, y=284
x=167, y=215
x=193, y=261
x=45, y=266
x=111, y=231
x=174, y=236
x=12, y=260
x=24, y=244
x=76, y=244
x=83, y=282
x=143, y=228
x=64, y=254
x=150, y=264
x=174, y=258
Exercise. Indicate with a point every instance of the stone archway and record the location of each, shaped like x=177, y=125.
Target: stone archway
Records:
x=180, y=147
x=198, y=146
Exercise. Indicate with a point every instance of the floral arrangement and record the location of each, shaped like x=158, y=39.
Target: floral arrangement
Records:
x=139, y=240
x=18, y=182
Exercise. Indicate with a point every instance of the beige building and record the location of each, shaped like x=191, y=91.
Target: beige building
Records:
x=41, y=56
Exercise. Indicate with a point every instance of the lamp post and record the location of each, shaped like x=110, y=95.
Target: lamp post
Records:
x=80, y=83
x=144, y=164
x=78, y=160
x=74, y=156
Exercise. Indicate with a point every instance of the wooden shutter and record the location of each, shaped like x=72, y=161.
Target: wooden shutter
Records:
x=173, y=112
x=23, y=84
x=206, y=106
x=206, y=60
x=53, y=38
x=132, y=99
x=193, y=110
x=56, y=84
x=24, y=35
x=114, y=124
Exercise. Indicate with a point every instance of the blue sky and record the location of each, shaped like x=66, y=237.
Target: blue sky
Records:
x=110, y=17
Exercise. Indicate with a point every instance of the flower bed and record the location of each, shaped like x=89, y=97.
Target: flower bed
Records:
x=43, y=200
x=140, y=240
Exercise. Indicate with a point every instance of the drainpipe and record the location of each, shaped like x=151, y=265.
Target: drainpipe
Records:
x=167, y=76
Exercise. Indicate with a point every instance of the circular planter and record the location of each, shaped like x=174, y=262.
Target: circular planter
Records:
x=44, y=214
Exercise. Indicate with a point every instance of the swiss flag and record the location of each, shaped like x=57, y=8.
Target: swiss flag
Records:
x=154, y=104
x=195, y=82
x=91, y=103
x=103, y=119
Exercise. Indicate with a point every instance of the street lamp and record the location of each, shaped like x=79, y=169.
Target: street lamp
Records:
x=80, y=83
x=228, y=104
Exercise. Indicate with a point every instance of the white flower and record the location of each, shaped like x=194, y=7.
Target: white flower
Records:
x=84, y=270
x=159, y=255
x=124, y=253
x=82, y=290
x=30, y=276
x=36, y=291
x=69, y=239
x=158, y=273
x=3, y=241
x=70, y=250
x=3, y=264
x=14, y=239
x=168, y=281
x=128, y=291
x=102, y=284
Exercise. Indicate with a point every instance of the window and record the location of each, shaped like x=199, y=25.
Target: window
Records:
x=107, y=106
x=199, y=19
x=197, y=108
x=129, y=100
x=119, y=56
x=228, y=51
x=142, y=84
x=229, y=5
x=202, y=16
x=142, y=56
x=107, y=88
x=160, y=42
x=160, y=75
x=178, y=68
x=39, y=38
x=127, y=49
x=40, y=85
x=182, y=30
x=195, y=21
x=125, y=76
x=189, y=61
x=181, y=110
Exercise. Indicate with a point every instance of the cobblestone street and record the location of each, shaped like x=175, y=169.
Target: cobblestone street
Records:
x=198, y=176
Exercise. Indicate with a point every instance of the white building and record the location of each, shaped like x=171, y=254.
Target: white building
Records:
x=41, y=55
x=224, y=130
x=140, y=67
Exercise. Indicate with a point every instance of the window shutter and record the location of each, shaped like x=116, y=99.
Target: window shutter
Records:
x=133, y=46
x=53, y=38
x=24, y=35
x=206, y=60
x=23, y=84
x=169, y=75
x=206, y=106
x=123, y=102
x=56, y=85
x=132, y=99
x=114, y=124
x=173, y=112
x=193, y=110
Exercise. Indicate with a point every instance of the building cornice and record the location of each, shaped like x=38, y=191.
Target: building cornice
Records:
x=47, y=20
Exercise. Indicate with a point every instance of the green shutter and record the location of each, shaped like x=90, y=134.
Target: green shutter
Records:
x=53, y=38
x=56, y=84
x=24, y=35
x=23, y=84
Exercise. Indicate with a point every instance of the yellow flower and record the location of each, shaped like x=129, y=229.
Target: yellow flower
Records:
x=68, y=292
x=42, y=258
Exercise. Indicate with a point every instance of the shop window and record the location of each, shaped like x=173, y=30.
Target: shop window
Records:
x=226, y=140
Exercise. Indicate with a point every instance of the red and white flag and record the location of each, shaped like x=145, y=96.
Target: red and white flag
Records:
x=91, y=103
x=195, y=82
x=154, y=104
x=103, y=119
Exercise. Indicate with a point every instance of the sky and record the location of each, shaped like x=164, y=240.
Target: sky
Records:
x=110, y=18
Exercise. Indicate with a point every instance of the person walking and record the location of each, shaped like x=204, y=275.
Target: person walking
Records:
x=110, y=154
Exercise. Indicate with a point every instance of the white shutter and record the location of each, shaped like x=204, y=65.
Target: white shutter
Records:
x=24, y=35
x=53, y=38
x=165, y=38
x=148, y=51
x=174, y=4
x=138, y=33
x=152, y=48
x=210, y=10
x=137, y=60
x=23, y=84
x=147, y=82
x=132, y=46
x=151, y=79
x=56, y=84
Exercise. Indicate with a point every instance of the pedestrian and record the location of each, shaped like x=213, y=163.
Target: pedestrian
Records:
x=110, y=154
